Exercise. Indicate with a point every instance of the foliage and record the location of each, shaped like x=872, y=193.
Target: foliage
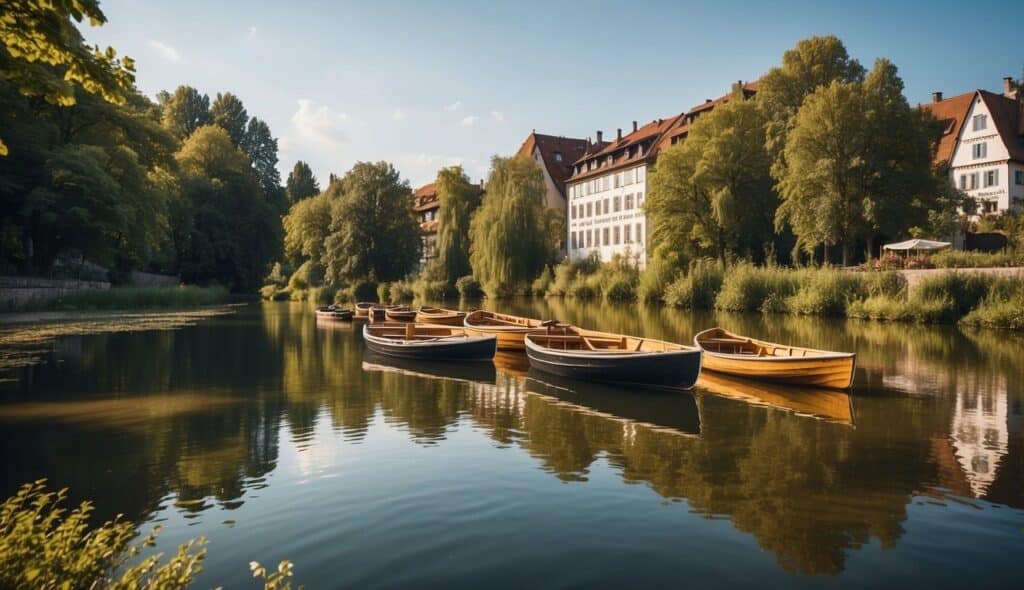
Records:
x=468, y=287
x=43, y=54
x=306, y=227
x=399, y=291
x=857, y=160
x=185, y=111
x=261, y=147
x=747, y=287
x=43, y=545
x=235, y=232
x=998, y=312
x=458, y=201
x=511, y=232
x=951, y=258
x=568, y=270
x=825, y=292
x=543, y=282
x=278, y=580
x=654, y=280
x=374, y=234
x=301, y=183
x=425, y=288
x=698, y=287
x=228, y=113
x=978, y=299
x=712, y=194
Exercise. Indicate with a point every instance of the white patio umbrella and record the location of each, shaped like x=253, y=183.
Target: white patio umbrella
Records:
x=917, y=245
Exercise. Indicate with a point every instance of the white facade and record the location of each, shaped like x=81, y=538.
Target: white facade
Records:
x=606, y=216
x=981, y=165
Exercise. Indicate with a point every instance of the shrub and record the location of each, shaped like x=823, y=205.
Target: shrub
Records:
x=887, y=283
x=964, y=289
x=823, y=292
x=620, y=287
x=583, y=288
x=963, y=259
x=543, y=282
x=699, y=287
x=998, y=312
x=399, y=291
x=382, y=291
x=746, y=287
x=431, y=289
x=468, y=287
x=362, y=291
x=654, y=280
x=45, y=546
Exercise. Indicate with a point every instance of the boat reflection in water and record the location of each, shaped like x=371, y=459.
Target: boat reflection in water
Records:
x=673, y=412
x=824, y=404
x=466, y=372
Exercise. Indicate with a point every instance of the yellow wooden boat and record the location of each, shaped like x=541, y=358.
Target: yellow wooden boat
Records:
x=440, y=316
x=509, y=329
x=815, y=402
x=741, y=356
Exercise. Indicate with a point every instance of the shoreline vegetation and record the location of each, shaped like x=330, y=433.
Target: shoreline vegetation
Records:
x=130, y=299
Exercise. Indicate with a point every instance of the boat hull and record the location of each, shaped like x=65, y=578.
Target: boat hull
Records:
x=334, y=315
x=443, y=349
x=836, y=373
x=507, y=339
x=677, y=368
x=441, y=318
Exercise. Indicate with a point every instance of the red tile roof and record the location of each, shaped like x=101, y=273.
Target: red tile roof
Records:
x=427, y=190
x=426, y=198
x=649, y=135
x=571, y=149
x=951, y=114
x=1007, y=115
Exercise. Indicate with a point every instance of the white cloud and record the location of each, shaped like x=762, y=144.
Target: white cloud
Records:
x=251, y=34
x=320, y=123
x=422, y=168
x=469, y=121
x=454, y=106
x=167, y=52
x=497, y=117
x=398, y=115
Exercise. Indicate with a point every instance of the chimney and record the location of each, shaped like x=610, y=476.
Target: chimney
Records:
x=1008, y=90
x=707, y=100
x=936, y=97
x=619, y=138
x=600, y=136
x=634, y=126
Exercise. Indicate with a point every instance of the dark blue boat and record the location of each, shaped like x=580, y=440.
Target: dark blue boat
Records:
x=599, y=356
x=427, y=342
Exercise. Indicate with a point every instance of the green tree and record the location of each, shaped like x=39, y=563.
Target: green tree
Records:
x=234, y=232
x=43, y=54
x=712, y=194
x=301, y=183
x=261, y=147
x=459, y=200
x=825, y=178
x=510, y=233
x=185, y=111
x=813, y=63
x=228, y=112
x=307, y=226
x=374, y=232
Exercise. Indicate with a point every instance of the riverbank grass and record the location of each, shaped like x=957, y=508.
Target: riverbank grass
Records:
x=136, y=298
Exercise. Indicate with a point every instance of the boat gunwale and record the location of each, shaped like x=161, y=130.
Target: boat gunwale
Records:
x=437, y=341
x=628, y=354
x=821, y=354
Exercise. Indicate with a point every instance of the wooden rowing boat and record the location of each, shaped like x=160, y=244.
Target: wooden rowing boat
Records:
x=363, y=308
x=600, y=356
x=831, y=405
x=427, y=342
x=508, y=329
x=439, y=315
x=333, y=312
x=741, y=356
x=399, y=314
x=378, y=313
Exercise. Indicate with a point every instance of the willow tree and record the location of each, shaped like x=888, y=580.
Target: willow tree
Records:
x=510, y=233
x=459, y=200
x=374, y=232
x=712, y=194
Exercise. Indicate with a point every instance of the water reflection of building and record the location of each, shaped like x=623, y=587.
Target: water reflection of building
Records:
x=980, y=432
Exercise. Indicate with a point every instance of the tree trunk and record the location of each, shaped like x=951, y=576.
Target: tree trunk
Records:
x=871, y=247
x=824, y=254
x=846, y=252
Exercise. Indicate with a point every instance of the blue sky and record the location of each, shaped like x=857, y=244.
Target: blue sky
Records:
x=427, y=84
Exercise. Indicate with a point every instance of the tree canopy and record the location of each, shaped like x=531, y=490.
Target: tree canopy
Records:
x=511, y=235
x=374, y=232
x=301, y=183
x=459, y=200
x=185, y=111
x=228, y=112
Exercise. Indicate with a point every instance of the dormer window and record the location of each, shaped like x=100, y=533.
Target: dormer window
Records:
x=609, y=160
x=558, y=156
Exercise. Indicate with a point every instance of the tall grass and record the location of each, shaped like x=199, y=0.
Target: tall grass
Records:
x=128, y=298
x=963, y=259
x=748, y=288
x=698, y=287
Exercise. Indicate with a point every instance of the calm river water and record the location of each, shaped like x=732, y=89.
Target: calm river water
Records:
x=278, y=438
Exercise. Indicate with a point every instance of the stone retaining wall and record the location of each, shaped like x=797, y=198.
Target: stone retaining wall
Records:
x=915, y=276
x=16, y=292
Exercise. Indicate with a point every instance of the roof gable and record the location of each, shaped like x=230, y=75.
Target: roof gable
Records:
x=556, y=153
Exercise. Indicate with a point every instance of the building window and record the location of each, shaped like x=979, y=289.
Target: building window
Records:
x=626, y=236
x=617, y=235
x=980, y=122
x=572, y=240
x=558, y=156
x=639, y=199
x=1018, y=176
x=627, y=177
x=608, y=160
x=969, y=182
x=988, y=206
x=606, y=206
x=639, y=233
x=629, y=202
x=605, y=232
x=641, y=174
x=617, y=204
x=588, y=238
x=979, y=150
x=991, y=178
x=590, y=211
x=618, y=180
